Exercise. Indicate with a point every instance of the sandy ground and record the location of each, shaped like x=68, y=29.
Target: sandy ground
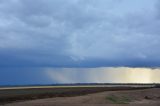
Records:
x=146, y=97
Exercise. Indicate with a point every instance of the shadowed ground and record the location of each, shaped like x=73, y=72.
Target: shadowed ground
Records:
x=140, y=97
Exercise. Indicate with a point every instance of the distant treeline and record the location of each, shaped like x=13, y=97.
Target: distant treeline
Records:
x=81, y=84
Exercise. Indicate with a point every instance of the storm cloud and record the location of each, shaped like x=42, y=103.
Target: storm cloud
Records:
x=79, y=33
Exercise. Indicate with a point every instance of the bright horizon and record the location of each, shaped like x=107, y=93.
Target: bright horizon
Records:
x=29, y=76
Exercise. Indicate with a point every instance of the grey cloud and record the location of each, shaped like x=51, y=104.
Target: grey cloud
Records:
x=79, y=31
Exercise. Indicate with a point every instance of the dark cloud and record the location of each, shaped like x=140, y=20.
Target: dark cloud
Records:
x=79, y=33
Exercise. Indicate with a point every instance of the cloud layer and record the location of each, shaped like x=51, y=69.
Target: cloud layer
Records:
x=79, y=33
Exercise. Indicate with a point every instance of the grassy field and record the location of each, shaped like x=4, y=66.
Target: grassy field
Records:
x=20, y=94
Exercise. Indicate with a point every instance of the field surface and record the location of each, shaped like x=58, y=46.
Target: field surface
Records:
x=80, y=96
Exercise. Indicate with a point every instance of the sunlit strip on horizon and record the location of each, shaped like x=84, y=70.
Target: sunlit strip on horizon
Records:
x=104, y=75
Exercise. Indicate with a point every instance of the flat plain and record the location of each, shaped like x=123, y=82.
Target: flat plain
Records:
x=79, y=96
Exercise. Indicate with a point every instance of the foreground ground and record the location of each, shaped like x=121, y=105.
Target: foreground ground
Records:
x=141, y=97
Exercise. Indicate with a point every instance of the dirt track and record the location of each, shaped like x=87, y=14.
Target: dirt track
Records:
x=150, y=97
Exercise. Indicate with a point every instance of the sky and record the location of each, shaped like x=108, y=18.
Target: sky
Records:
x=49, y=75
x=77, y=34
